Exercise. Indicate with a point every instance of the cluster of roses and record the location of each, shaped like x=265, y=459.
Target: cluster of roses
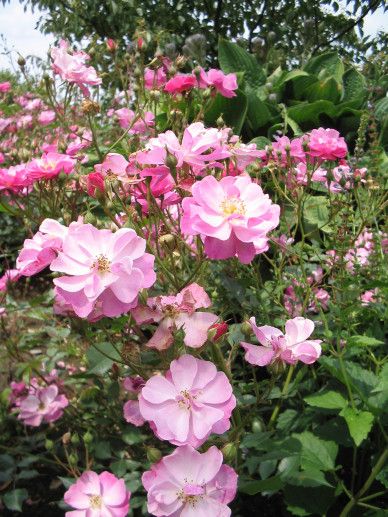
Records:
x=317, y=157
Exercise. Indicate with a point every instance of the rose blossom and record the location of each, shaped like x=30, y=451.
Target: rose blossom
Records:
x=10, y=275
x=103, y=270
x=98, y=495
x=46, y=117
x=72, y=67
x=49, y=166
x=189, y=403
x=45, y=404
x=131, y=408
x=180, y=83
x=326, y=144
x=154, y=78
x=5, y=87
x=224, y=84
x=233, y=215
x=290, y=347
x=178, y=312
x=188, y=483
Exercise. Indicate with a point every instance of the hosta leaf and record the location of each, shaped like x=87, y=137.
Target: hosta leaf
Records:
x=233, y=111
x=233, y=58
x=359, y=422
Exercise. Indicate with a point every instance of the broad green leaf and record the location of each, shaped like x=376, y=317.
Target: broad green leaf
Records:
x=233, y=111
x=316, y=212
x=307, y=501
x=233, y=58
x=274, y=483
x=101, y=357
x=308, y=478
x=327, y=400
x=364, y=341
x=311, y=112
x=14, y=499
x=316, y=454
x=325, y=65
x=325, y=89
x=359, y=422
x=261, y=142
x=354, y=86
x=294, y=74
x=258, y=114
x=381, y=109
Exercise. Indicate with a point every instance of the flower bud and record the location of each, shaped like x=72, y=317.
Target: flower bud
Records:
x=75, y=439
x=49, y=444
x=217, y=330
x=21, y=61
x=246, y=328
x=66, y=438
x=257, y=425
x=277, y=367
x=87, y=438
x=111, y=45
x=73, y=459
x=171, y=161
x=153, y=454
x=220, y=122
x=155, y=95
x=229, y=451
x=90, y=107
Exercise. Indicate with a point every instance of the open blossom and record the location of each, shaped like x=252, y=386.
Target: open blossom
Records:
x=131, y=409
x=290, y=347
x=98, y=495
x=188, y=483
x=154, y=78
x=44, y=405
x=5, y=87
x=50, y=165
x=38, y=252
x=180, y=83
x=46, y=117
x=126, y=116
x=189, y=403
x=11, y=275
x=104, y=271
x=72, y=67
x=14, y=178
x=326, y=144
x=199, y=146
x=369, y=296
x=283, y=149
x=178, y=312
x=233, y=216
x=223, y=84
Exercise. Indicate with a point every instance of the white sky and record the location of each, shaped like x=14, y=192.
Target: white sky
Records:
x=19, y=29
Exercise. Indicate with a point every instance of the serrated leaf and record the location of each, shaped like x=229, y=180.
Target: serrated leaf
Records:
x=14, y=499
x=359, y=423
x=327, y=400
x=316, y=212
x=316, y=454
x=308, y=478
x=364, y=341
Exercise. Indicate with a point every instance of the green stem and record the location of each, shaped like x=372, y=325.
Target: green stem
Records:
x=376, y=469
x=276, y=410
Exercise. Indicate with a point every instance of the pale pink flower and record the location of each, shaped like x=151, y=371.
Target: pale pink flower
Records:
x=326, y=144
x=98, y=495
x=126, y=116
x=46, y=117
x=244, y=154
x=11, y=275
x=223, y=84
x=154, y=78
x=290, y=347
x=24, y=122
x=284, y=149
x=115, y=164
x=178, y=312
x=180, y=83
x=34, y=104
x=188, y=483
x=49, y=166
x=189, y=403
x=369, y=296
x=5, y=87
x=14, y=178
x=131, y=408
x=199, y=147
x=233, y=216
x=105, y=271
x=44, y=405
x=38, y=253
x=72, y=67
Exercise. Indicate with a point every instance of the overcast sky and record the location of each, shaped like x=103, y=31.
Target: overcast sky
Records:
x=19, y=29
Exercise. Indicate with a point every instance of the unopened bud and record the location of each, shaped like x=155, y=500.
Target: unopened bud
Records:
x=21, y=61
x=168, y=239
x=229, y=451
x=89, y=218
x=66, y=438
x=73, y=459
x=90, y=107
x=246, y=328
x=153, y=454
x=220, y=122
x=277, y=367
x=155, y=95
x=87, y=438
x=49, y=444
x=171, y=161
x=257, y=426
x=75, y=439
x=180, y=61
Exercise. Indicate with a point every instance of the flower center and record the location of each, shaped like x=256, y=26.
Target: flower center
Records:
x=95, y=502
x=102, y=264
x=185, y=399
x=170, y=311
x=191, y=494
x=233, y=206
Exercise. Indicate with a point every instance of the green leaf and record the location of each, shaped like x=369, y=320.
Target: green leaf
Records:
x=309, y=478
x=316, y=212
x=364, y=341
x=272, y=484
x=294, y=74
x=233, y=58
x=359, y=422
x=233, y=111
x=307, y=501
x=14, y=500
x=381, y=109
x=354, y=86
x=311, y=112
x=99, y=363
x=261, y=142
x=325, y=89
x=325, y=65
x=327, y=400
x=258, y=114
x=316, y=454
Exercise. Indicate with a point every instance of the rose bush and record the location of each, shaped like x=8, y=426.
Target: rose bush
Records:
x=142, y=317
